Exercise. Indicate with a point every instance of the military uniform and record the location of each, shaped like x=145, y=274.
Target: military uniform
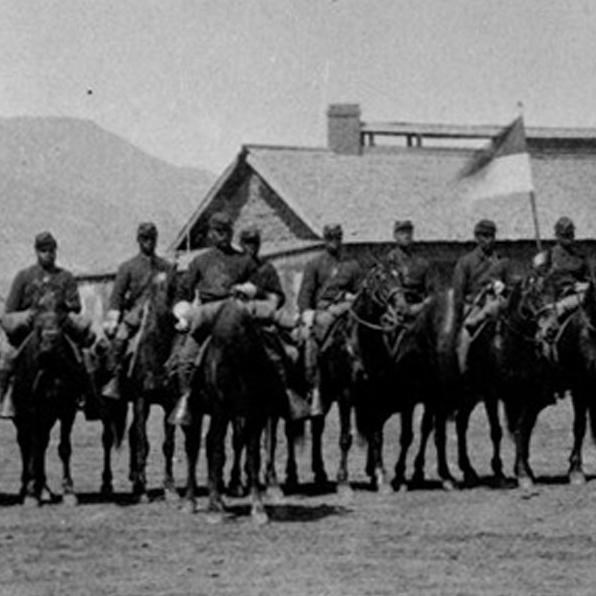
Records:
x=414, y=272
x=565, y=267
x=326, y=281
x=142, y=278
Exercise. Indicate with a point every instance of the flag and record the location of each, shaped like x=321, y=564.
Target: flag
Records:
x=502, y=168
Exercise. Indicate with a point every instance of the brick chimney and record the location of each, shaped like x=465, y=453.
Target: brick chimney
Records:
x=343, y=128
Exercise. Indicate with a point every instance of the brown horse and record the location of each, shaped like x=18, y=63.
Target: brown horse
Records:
x=48, y=383
x=235, y=383
x=145, y=382
x=404, y=365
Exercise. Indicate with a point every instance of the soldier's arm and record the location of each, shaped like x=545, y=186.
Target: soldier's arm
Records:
x=272, y=284
x=121, y=284
x=459, y=283
x=308, y=288
x=13, y=302
x=72, y=299
x=185, y=288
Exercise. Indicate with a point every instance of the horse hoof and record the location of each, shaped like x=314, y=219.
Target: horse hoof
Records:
x=70, y=500
x=525, y=483
x=418, y=479
x=577, y=478
x=345, y=492
x=471, y=479
x=189, y=507
x=448, y=484
x=274, y=495
x=106, y=490
x=31, y=502
x=385, y=489
x=236, y=491
x=259, y=518
x=321, y=479
x=501, y=482
x=170, y=495
x=292, y=484
x=47, y=495
x=214, y=518
x=397, y=484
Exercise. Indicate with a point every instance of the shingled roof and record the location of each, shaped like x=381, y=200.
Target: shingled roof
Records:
x=367, y=192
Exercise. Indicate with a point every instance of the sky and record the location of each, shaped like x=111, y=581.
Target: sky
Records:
x=190, y=81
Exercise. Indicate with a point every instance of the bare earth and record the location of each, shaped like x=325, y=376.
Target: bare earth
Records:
x=425, y=541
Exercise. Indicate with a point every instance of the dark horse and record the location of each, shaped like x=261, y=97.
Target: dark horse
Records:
x=146, y=381
x=404, y=365
x=504, y=365
x=48, y=383
x=235, y=382
x=571, y=366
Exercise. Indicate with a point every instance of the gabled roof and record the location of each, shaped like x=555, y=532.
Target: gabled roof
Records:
x=366, y=193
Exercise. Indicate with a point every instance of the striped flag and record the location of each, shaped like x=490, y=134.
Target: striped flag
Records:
x=502, y=168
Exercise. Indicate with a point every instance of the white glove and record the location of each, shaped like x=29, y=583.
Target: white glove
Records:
x=182, y=311
x=498, y=287
x=308, y=318
x=111, y=323
x=247, y=289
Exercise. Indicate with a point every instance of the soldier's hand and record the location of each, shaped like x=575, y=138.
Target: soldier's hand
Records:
x=247, y=289
x=182, y=311
x=110, y=325
x=29, y=316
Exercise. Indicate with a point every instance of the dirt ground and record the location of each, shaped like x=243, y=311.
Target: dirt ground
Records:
x=424, y=541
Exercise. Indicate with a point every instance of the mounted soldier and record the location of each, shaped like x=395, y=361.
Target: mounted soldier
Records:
x=413, y=270
x=212, y=277
x=136, y=281
x=479, y=281
x=327, y=291
x=564, y=274
x=33, y=289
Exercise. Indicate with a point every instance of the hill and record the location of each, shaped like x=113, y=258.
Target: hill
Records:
x=90, y=188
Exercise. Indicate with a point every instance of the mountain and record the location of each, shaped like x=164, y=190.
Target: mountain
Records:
x=90, y=188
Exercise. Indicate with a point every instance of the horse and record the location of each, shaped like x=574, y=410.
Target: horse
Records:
x=572, y=366
x=148, y=380
x=404, y=364
x=503, y=366
x=47, y=387
x=235, y=382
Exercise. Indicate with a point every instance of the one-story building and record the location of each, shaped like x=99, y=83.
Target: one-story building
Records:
x=371, y=174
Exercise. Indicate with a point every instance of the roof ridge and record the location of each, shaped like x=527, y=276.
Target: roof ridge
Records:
x=258, y=146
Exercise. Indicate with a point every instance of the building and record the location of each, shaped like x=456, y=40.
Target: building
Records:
x=373, y=173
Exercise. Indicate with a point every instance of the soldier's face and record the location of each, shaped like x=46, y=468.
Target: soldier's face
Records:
x=219, y=237
x=566, y=238
x=333, y=244
x=486, y=242
x=404, y=238
x=46, y=257
x=251, y=248
x=147, y=244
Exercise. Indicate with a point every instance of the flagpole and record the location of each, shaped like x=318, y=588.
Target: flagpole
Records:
x=520, y=110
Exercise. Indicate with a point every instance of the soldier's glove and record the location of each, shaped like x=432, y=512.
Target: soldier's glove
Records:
x=247, y=290
x=182, y=311
x=110, y=325
x=498, y=287
x=308, y=318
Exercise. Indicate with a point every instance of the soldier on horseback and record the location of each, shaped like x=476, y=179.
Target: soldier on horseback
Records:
x=328, y=288
x=479, y=280
x=413, y=270
x=135, y=280
x=212, y=276
x=564, y=274
x=34, y=288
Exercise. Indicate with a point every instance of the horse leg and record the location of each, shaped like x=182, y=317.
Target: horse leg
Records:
x=168, y=448
x=345, y=443
x=192, y=445
x=271, y=481
x=576, y=473
x=379, y=478
x=107, y=440
x=24, y=439
x=462, y=419
x=215, y=462
x=139, y=448
x=39, y=445
x=291, y=467
x=235, y=488
x=522, y=435
x=441, y=445
x=317, y=426
x=253, y=459
x=405, y=440
x=426, y=427
x=65, y=451
x=496, y=436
